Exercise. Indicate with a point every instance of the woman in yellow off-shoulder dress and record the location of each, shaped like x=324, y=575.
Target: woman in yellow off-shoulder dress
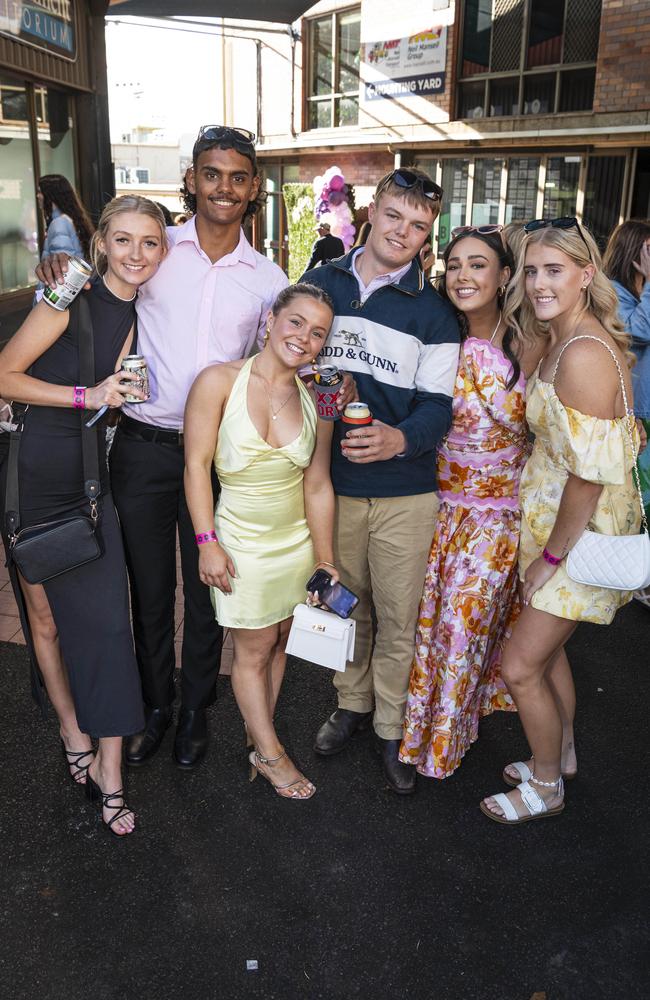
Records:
x=578, y=476
x=273, y=524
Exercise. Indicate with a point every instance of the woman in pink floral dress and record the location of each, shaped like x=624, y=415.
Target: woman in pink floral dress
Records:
x=470, y=598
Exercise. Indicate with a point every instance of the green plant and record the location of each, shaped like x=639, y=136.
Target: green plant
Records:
x=299, y=203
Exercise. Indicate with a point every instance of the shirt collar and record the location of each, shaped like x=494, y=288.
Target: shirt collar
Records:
x=390, y=278
x=242, y=254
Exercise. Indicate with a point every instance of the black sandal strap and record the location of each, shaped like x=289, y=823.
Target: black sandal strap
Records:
x=74, y=756
x=121, y=810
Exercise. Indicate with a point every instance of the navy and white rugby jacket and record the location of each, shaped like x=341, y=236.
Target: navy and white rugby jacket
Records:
x=402, y=347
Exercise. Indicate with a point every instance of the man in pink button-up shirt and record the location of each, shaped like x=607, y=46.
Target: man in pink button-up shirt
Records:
x=208, y=303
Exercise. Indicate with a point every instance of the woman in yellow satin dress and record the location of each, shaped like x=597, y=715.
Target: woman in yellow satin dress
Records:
x=273, y=523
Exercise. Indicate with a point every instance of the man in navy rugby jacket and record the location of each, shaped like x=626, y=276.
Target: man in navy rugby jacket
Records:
x=400, y=341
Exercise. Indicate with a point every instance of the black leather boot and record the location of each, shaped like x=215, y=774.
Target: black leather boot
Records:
x=337, y=732
x=142, y=746
x=191, y=737
x=400, y=777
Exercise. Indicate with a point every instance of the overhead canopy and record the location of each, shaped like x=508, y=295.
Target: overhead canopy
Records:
x=282, y=11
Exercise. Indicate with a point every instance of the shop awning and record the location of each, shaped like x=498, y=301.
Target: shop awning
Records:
x=282, y=11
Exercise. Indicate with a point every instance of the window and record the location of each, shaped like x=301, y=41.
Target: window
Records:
x=455, y=174
x=551, y=46
x=54, y=125
x=139, y=175
x=18, y=215
x=271, y=232
x=561, y=186
x=603, y=193
x=521, y=193
x=333, y=76
x=487, y=187
x=488, y=190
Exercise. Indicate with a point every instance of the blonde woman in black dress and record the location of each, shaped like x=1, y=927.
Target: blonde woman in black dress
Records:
x=79, y=621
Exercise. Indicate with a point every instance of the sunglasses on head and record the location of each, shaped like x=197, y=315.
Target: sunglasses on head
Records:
x=483, y=230
x=225, y=132
x=407, y=179
x=565, y=222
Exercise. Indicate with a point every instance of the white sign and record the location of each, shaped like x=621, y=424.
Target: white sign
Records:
x=403, y=67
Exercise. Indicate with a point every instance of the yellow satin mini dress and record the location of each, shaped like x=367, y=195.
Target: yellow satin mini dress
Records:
x=260, y=517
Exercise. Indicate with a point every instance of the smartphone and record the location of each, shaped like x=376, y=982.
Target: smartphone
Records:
x=334, y=596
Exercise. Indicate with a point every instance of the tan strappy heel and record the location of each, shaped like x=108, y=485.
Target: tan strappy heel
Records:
x=256, y=758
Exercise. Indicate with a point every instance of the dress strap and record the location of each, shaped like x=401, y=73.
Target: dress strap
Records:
x=629, y=414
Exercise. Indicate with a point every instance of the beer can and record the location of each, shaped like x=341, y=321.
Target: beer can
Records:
x=357, y=414
x=136, y=363
x=328, y=381
x=60, y=296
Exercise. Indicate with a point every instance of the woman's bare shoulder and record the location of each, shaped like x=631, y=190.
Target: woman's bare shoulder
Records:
x=221, y=375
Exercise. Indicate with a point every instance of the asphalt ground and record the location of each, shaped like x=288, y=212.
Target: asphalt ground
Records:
x=357, y=893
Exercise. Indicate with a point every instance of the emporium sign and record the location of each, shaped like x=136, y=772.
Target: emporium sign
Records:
x=405, y=67
x=44, y=24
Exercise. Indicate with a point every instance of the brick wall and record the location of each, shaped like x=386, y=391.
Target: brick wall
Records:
x=623, y=70
x=359, y=168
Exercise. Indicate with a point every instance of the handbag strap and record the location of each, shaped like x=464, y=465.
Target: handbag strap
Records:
x=628, y=413
x=81, y=327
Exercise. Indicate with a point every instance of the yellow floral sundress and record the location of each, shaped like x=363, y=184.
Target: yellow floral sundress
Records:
x=597, y=450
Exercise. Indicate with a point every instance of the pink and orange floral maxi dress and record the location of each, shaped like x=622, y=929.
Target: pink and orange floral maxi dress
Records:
x=470, y=599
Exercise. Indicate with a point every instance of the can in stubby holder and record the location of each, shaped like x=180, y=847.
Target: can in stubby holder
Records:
x=136, y=363
x=328, y=381
x=60, y=296
x=357, y=415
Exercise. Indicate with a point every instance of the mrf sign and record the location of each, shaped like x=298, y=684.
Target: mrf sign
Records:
x=43, y=24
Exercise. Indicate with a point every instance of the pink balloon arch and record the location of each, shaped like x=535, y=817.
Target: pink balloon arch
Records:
x=332, y=198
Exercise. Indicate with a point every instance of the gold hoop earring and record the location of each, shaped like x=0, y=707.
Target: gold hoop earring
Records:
x=267, y=335
x=502, y=290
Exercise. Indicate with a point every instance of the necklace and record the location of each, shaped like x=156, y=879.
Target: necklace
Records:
x=274, y=413
x=106, y=285
x=494, y=332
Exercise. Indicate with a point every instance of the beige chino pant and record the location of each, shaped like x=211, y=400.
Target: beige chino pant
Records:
x=381, y=549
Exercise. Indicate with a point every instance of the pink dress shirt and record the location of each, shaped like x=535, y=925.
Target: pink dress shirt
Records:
x=194, y=313
x=391, y=278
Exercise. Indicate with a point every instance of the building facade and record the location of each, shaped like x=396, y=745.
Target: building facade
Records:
x=53, y=119
x=519, y=108
x=146, y=164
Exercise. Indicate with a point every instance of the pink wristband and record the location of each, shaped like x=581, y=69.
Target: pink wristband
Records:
x=79, y=397
x=551, y=560
x=206, y=536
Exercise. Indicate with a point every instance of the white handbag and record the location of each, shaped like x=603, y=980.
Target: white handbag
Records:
x=321, y=637
x=616, y=562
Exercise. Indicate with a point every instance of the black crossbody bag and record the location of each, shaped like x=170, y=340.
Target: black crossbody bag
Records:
x=43, y=551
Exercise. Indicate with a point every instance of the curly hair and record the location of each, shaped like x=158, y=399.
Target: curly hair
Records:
x=511, y=344
x=600, y=297
x=57, y=190
x=125, y=203
x=244, y=149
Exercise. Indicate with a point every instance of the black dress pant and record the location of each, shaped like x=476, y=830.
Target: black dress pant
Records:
x=147, y=484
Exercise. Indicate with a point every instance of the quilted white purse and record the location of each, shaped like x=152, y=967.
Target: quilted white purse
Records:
x=616, y=562
x=321, y=637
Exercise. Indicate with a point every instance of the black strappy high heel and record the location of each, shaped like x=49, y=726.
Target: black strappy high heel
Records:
x=73, y=759
x=95, y=794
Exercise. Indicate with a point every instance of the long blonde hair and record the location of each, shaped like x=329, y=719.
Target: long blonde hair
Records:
x=600, y=297
x=125, y=203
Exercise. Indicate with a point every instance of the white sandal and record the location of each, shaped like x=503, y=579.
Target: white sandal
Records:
x=525, y=774
x=532, y=800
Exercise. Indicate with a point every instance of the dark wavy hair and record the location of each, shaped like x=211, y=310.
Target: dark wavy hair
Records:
x=245, y=149
x=623, y=249
x=57, y=190
x=510, y=343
